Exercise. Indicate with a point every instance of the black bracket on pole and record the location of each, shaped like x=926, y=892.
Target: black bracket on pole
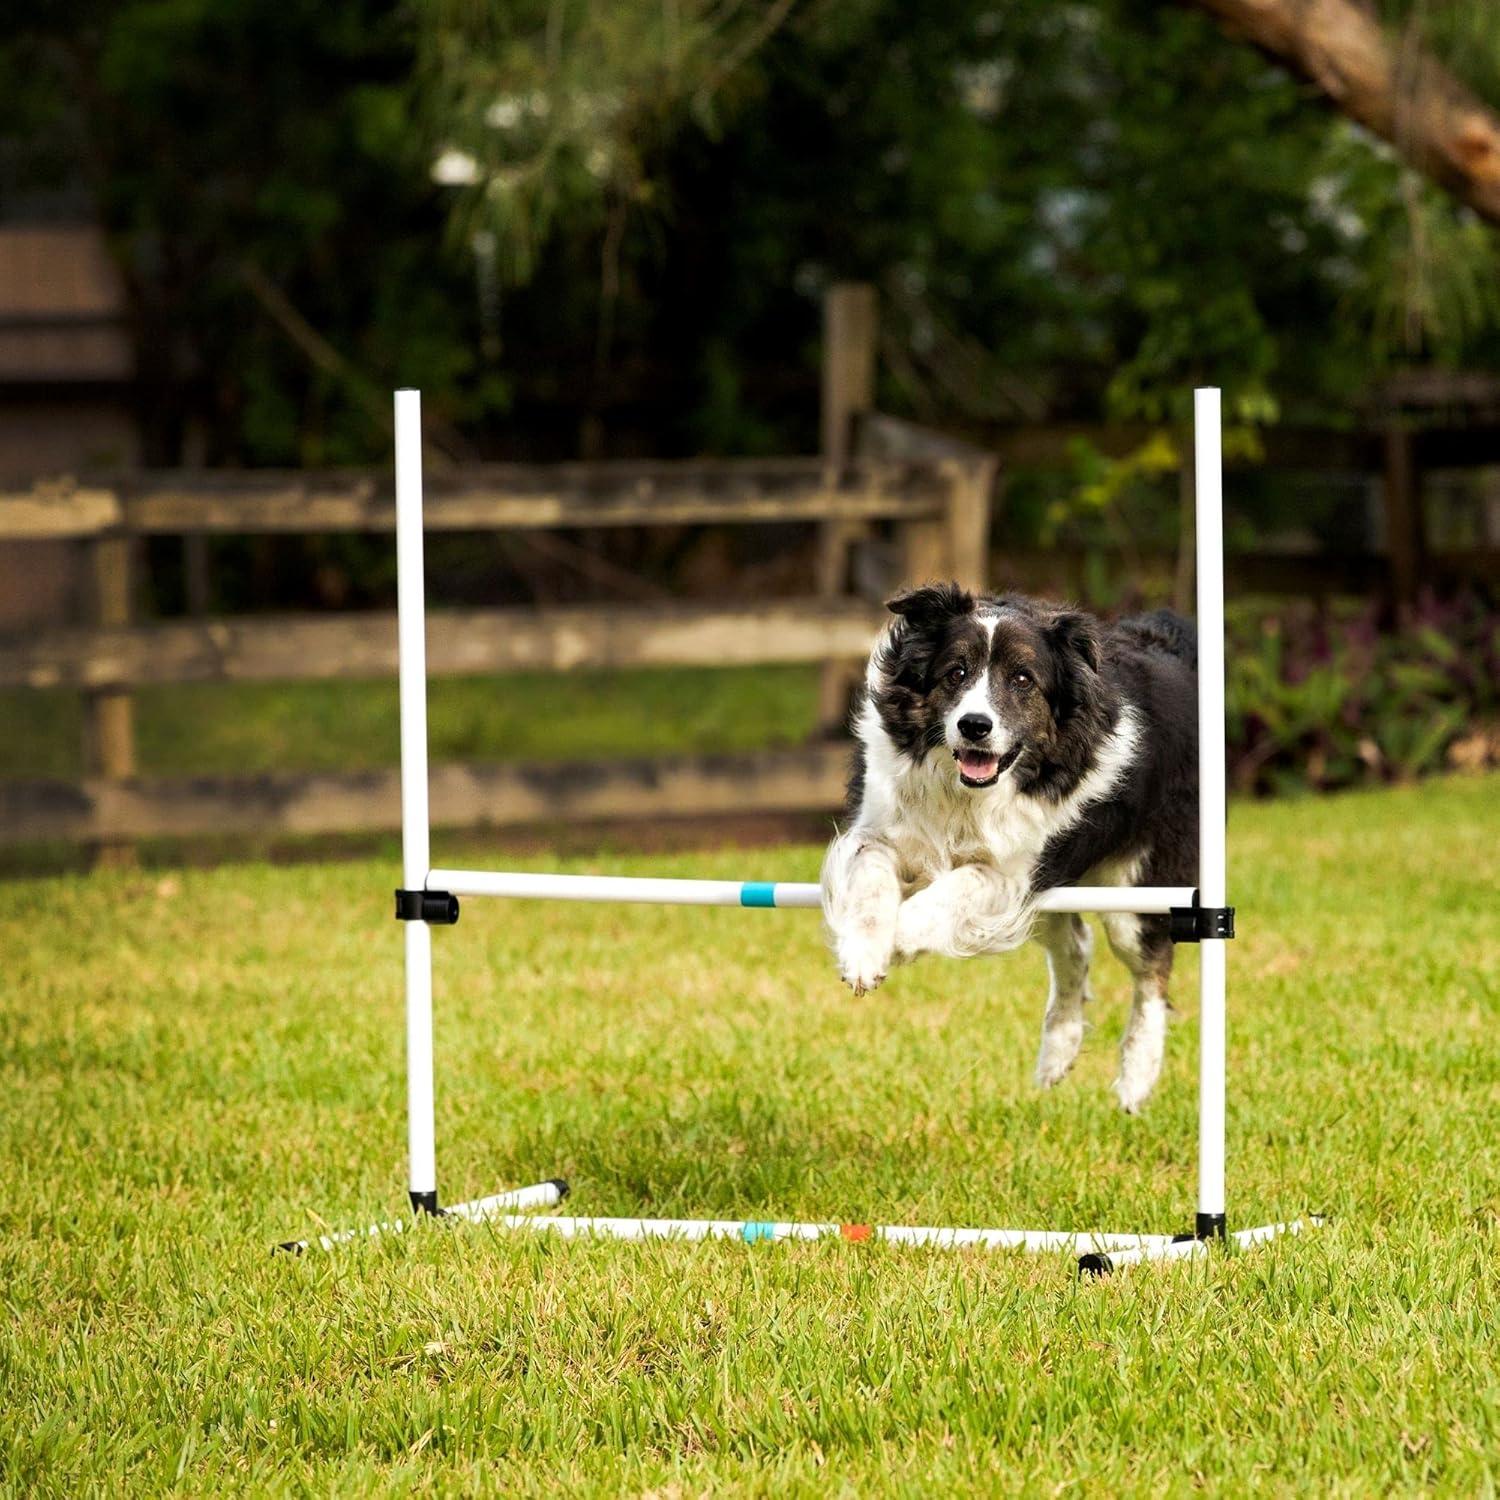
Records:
x=1191, y=924
x=425, y=1203
x=1205, y=1227
x=437, y=908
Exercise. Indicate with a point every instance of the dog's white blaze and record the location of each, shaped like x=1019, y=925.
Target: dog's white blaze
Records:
x=977, y=701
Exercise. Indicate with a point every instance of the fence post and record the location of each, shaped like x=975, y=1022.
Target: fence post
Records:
x=196, y=585
x=967, y=523
x=109, y=717
x=849, y=334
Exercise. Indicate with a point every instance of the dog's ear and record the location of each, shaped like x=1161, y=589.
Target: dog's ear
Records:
x=1073, y=638
x=931, y=603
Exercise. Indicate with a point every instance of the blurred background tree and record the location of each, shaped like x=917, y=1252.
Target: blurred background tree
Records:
x=603, y=229
x=254, y=166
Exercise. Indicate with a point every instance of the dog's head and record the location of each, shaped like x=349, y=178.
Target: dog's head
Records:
x=981, y=680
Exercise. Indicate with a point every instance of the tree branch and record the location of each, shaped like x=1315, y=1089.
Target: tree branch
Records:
x=1399, y=91
x=448, y=446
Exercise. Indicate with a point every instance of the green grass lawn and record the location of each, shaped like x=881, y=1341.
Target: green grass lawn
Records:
x=199, y=1064
x=249, y=727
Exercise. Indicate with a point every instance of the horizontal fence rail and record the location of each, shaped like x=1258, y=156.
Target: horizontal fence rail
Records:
x=459, y=643
x=483, y=497
x=1142, y=900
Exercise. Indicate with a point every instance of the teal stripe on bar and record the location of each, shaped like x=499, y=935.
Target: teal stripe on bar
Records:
x=758, y=893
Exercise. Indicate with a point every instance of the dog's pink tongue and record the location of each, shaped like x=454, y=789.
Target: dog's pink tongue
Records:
x=977, y=764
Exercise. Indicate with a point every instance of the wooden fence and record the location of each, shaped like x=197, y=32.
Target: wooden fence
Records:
x=887, y=501
x=924, y=498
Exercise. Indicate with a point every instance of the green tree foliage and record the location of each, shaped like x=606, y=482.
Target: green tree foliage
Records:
x=1069, y=208
x=228, y=144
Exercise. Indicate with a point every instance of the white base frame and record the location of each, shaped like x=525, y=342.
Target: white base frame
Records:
x=1110, y=1251
x=539, y=1195
x=423, y=884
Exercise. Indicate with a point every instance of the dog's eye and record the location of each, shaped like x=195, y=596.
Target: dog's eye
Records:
x=1020, y=680
x=955, y=675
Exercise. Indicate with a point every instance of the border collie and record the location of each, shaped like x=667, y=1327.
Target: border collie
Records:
x=1007, y=745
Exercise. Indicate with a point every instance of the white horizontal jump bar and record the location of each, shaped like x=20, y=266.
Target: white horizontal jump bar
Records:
x=1147, y=900
x=757, y=1232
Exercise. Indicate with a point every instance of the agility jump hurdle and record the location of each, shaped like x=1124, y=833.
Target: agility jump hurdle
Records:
x=430, y=897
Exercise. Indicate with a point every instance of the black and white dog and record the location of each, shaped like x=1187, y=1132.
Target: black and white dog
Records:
x=1006, y=746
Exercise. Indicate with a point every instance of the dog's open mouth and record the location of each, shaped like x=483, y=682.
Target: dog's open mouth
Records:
x=980, y=768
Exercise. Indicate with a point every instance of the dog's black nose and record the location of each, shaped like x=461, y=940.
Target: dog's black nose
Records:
x=975, y=726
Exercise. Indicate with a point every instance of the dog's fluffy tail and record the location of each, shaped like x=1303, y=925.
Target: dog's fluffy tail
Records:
x=1163, y=630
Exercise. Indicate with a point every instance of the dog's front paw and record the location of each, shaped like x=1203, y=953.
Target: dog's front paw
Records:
x=864, y=958
x=923, y=925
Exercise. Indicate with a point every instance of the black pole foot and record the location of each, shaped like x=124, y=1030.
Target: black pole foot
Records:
x=425, y=1203
x=1095, y=1265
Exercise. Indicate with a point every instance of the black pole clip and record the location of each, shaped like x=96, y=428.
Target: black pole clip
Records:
x=1191, y=924
x=438, y=908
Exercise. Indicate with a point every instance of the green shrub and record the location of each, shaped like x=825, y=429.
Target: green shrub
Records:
x=1321, y=698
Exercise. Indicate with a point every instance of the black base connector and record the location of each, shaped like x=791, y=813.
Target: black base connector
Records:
x=1205, y=1227
x=1191, y=924
x=425, y=1203
x=562, y=1185
x=438, y=908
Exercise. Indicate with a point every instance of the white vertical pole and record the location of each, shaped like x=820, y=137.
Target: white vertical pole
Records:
x=1211, y=805
x=411, y=636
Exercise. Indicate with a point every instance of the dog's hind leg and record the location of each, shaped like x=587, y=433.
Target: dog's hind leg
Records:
x=1069, y=945
x=1144, y=946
